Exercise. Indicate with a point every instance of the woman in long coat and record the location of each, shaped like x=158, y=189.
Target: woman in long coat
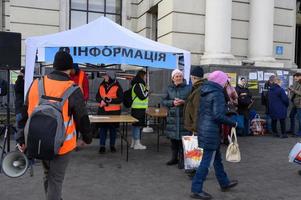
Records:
x=174, y=100
x=212, y=113
x=278, y=107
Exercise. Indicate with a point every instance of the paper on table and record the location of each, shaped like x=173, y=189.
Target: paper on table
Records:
x=99, y=117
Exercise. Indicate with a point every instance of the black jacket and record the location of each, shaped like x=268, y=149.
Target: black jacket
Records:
x=243, y=109
x=118, y=100
x=77, y=109
x=19, y=94
x=139, y=113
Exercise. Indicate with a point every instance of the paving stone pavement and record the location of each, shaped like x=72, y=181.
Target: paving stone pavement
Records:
x=264, y=174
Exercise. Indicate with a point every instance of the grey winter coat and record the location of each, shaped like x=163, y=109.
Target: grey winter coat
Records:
x=175, y=121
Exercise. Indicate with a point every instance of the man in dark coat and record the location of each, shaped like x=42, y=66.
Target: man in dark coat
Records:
x=19, y=97
x=212, y=113
x=244, y=102
x=295, y=92
x=278, y=107
x=265, y=101
x=193, y=100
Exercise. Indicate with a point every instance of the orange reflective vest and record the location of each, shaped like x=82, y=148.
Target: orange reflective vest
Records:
x=54, y=88
x=81, y=76
x=111, y=94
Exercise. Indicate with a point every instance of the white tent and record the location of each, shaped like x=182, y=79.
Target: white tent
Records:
x=101, y=32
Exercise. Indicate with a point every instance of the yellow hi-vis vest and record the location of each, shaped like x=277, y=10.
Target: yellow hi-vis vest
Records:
x=138, y=103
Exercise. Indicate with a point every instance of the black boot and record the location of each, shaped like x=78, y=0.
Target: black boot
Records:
x=181, y=159
x=174, y=153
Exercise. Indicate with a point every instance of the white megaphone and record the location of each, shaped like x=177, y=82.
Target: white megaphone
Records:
x=15, y=164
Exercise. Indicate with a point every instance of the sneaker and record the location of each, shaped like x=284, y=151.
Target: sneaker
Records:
x=139, y=146
x=102, y=150
x=231, y=185
x=113, y=149
x=202, y=195
x=299, y=172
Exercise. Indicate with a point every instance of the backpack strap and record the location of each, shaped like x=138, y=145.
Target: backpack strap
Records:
x=41, y=89
x=67, y=94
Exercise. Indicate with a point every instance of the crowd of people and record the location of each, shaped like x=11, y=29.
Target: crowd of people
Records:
x=201, y=109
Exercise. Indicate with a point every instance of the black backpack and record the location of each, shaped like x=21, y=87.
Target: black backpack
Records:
x=127, y=98
x=45, y=128
x=3, y=87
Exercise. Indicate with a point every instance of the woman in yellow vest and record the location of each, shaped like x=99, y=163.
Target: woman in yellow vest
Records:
x=109, y=97
x=139, y=106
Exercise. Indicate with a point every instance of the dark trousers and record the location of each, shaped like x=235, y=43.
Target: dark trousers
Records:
x=209, y=157
x=177, y=152
x=103, y=134
x=292, y=116
x=54, y=173
x=282, y=125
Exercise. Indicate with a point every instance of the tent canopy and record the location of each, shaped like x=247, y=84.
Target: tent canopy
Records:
x=99, y=33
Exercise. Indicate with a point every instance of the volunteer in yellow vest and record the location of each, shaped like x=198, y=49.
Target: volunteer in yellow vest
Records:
x=139, y=106
x=109, y=97
x=55, y=84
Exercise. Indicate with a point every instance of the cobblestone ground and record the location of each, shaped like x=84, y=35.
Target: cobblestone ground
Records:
x=263, y=174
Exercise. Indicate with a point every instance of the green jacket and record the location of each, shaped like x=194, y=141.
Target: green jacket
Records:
x=297, y=94
x=191, y=107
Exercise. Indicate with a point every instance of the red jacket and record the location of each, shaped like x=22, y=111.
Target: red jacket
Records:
x=85, y=83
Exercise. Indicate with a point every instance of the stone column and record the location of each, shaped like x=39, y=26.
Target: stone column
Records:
x=218, y=32
x=261, y=28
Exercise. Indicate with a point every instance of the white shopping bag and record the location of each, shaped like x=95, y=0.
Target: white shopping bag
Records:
x=192, y=153
x=295, y=154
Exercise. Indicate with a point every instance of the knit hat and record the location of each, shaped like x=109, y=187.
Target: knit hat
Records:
x=218, y=77
x=197, y=71
x=62, y=61
x=176, y=71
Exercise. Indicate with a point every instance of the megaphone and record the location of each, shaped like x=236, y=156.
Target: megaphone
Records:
x=15, y=164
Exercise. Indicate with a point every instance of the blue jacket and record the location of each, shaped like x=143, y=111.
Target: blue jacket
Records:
x=175, y=119
x=278, y=102
x=212, y=114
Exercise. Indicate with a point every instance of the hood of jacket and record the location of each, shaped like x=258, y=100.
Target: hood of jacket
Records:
x=209, y=87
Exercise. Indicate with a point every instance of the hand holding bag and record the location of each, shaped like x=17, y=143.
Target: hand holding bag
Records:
x=233, y=153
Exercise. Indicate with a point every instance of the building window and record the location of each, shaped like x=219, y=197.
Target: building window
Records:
x=85, y=11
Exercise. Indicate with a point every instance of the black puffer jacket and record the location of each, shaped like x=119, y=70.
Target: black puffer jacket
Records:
x=212, y=113
x=139, y=113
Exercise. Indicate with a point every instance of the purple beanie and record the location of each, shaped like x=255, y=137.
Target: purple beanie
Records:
x=218, y=77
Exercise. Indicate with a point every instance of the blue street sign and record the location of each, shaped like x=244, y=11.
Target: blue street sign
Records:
x=279, y=50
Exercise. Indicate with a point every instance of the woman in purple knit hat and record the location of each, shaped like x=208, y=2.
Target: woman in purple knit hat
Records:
x=212, y=113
